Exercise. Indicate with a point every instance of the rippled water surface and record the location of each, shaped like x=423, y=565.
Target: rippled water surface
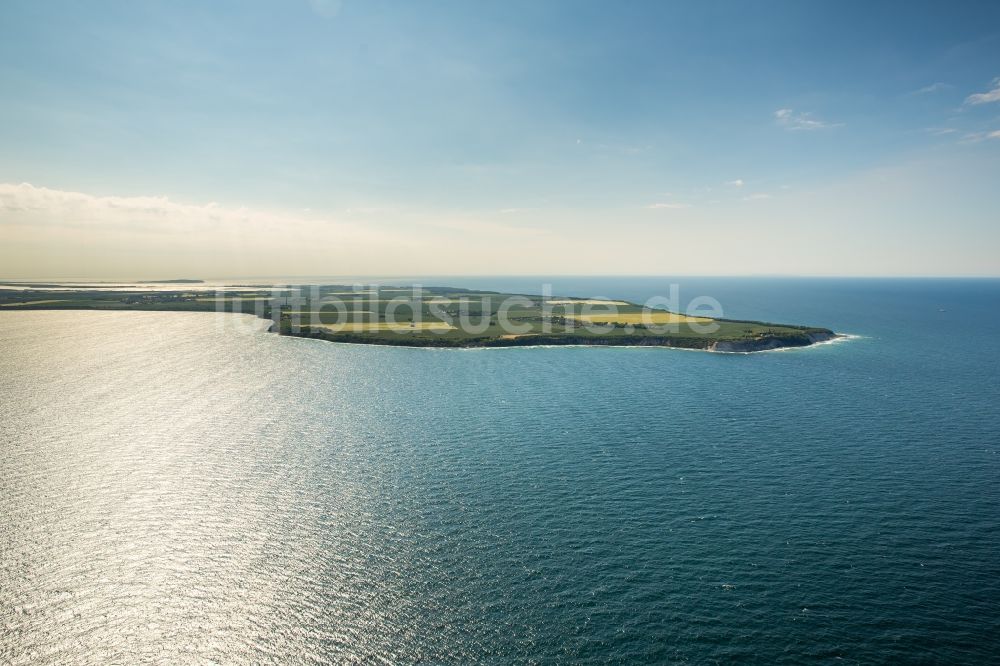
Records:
x=178, y=488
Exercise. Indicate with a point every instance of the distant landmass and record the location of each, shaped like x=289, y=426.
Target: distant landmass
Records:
x=436, y=316
x=175, y=281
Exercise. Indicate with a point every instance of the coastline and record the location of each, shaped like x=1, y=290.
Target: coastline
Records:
x=772, y=343
x=429, y=319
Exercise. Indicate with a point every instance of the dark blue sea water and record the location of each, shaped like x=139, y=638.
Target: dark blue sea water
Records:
x=178, y=491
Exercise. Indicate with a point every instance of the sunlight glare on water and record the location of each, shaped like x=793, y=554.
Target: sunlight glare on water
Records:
x=176, y=491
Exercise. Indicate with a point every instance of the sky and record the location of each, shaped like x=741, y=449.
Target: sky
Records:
x=145, y=140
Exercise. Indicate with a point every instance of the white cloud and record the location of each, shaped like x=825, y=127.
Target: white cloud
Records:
x=668, y=206
x=735, y=183
x=992, y=95
x=49, y=232
x=27, y=205
x=932, y=88
x=758, y=196
x=976, y=137
x=58, y=232
x=791, y=120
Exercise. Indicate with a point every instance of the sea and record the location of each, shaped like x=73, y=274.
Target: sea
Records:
x=187, y=488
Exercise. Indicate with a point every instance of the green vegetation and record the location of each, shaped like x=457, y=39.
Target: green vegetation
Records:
x=433, y=316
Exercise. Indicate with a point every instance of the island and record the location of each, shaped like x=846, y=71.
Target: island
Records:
x=428, y=316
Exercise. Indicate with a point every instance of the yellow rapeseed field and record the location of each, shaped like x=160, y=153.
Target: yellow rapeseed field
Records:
x=654, y=317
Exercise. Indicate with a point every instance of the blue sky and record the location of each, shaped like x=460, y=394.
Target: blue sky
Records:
x=539, y=137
